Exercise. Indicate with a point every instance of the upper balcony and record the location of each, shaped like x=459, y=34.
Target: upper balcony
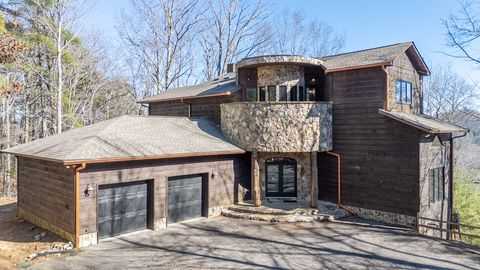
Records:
x=304, y=126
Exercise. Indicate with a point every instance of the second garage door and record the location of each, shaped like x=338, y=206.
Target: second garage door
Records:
x=185, y=200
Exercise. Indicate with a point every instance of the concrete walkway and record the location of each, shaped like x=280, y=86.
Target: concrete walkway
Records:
x=244, y=244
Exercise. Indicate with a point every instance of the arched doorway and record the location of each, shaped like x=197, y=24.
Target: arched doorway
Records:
x=281, y=177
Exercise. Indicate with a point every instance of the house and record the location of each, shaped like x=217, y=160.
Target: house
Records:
x=346, y=128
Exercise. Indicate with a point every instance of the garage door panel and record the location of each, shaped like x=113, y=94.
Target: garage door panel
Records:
x=179, y=195
x=122, y=208
x=184, y=198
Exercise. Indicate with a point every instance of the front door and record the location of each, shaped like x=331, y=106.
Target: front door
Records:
x=281, y=176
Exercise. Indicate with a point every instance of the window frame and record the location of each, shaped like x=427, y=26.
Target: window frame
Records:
x=404, y=92
x=269, y=96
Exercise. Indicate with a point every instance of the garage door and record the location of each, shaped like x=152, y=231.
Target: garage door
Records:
x=184, y=197
x=122, y=208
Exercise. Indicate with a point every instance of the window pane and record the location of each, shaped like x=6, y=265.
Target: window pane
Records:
x=399, y=91
x=311, y=93
x=293, y=93
x=251, y=94
x=282, y=93
x=272, y=93
x=301, y=94
x=431, y=186
x=272, y=178
x=289, y=178
x=409, y=92
x=262, y=93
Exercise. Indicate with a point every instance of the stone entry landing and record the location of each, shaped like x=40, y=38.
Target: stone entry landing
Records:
x=285, y=212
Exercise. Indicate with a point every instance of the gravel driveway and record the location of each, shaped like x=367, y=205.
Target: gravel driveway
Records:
x=242, y=244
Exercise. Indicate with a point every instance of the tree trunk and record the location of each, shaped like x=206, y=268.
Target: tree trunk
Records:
x=59, y=70
x=7, y=181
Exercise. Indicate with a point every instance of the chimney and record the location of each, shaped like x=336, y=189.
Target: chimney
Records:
x=231, y=68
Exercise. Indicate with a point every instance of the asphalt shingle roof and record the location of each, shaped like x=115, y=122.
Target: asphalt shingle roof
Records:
x=423, y=122
x=366, y=57
x=131, y=137
x=223, y=84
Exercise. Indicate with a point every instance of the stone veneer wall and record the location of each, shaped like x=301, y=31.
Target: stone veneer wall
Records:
x=279, y=126
x=303, y=173
x=386, y=217
x=288, y=75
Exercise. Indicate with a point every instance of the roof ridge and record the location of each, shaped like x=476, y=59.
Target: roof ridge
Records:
x=369, y=49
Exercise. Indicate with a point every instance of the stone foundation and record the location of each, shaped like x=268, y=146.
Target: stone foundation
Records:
x=88, y=239
x=160, y=224
x=386, y=217
x=44, y=224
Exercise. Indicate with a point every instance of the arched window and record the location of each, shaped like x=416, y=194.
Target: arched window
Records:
x=281, y=177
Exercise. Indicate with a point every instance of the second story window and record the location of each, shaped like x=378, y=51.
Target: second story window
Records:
x=272, y=93
x=251, y=93
x=436, y=184
x=302, y=94
x=293, y=93
x=282, y=93
x=262, y=94
x=404, y=92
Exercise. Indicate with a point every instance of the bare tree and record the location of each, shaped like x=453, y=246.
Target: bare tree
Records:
x=296, y=34
x=158, y=36
x=232, y=29
x=463, y=31
x=55, y=17
x=448, y=96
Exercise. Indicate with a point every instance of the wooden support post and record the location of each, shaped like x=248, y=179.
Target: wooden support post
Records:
x=314, y=180
x=256, y=193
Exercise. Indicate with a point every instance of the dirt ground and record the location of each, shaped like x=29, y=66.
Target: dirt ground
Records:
x=17, y=238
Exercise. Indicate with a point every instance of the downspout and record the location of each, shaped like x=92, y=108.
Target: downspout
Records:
x=189, y=107
x=339, y=183
x=450, y=187
x=387, y=92
x=78, y=168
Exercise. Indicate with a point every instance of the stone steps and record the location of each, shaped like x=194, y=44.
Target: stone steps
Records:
x=284, y=218
x=262, y=210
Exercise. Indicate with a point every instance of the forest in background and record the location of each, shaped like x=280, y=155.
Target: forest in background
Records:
x=55, y=76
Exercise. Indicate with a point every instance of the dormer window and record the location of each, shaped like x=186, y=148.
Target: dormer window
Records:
x=404, y=92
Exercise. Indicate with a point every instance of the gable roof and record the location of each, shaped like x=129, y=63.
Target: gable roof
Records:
x=131, y=138
x=423, y=122
x=222, y=85
x=384, y=55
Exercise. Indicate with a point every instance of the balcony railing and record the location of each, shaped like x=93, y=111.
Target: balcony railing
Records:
x=279, y=126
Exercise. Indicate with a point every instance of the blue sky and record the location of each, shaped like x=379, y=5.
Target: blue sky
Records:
x=366, y=24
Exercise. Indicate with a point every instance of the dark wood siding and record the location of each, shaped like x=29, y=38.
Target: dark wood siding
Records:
x=379, y=155
x=168, y=108
x=201, y=107
x=46, y=190
x=434, y=156
x=403, y=69
x=230, y=185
